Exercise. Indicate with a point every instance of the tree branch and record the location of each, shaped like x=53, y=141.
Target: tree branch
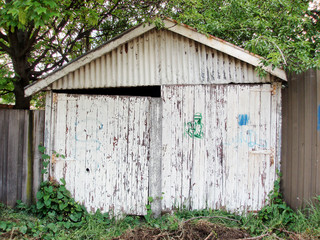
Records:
x=5, y=48
x=4, y=37
x=31, y=41
x=5, y=92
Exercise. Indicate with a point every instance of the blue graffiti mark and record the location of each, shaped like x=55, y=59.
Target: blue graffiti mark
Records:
x=81, y=127
x=243, y=119
x=318, y=126
x=248, y=138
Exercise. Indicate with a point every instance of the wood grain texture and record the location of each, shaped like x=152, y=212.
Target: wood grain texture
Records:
x=232, y=163
x=106, y=142
x=199, y=146
x=19, y=161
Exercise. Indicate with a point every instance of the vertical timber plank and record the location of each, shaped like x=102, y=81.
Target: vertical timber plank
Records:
x=155, y=156
x=13, y=154
x=38, y=138
x=4, y=136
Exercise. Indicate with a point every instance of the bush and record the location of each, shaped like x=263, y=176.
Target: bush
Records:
x=55, y=202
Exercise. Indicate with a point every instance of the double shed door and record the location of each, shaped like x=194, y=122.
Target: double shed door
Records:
x=211, y=146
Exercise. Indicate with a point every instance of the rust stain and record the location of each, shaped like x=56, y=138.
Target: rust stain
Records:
x=115, y=142
x=53, y=159
x=274, y=89
x=272, y=157
x=55, y=98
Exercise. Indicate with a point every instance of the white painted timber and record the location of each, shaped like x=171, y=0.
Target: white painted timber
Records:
x=228, y=164
x=155, y=157
x=106, y=142
x=199, y=146
x=146, y=56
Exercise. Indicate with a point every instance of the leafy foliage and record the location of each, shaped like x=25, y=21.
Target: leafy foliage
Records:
x=55, y=202
x=38, y=36
x=277, y=209
x=286, y=32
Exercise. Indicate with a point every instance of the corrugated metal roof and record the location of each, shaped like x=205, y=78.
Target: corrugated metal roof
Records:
x=145, y=56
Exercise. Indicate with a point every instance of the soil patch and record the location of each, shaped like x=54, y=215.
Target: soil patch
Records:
x=188, y=231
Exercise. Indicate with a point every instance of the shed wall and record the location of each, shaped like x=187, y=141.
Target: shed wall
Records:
x=160, y=57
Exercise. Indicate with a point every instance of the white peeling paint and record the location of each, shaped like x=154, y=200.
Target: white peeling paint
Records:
x=106, y=144
x=212, y=146
x=232, y=163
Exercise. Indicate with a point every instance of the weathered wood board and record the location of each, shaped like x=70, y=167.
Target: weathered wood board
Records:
x=106, y=141
x=219, y=145
x=21, y=131
x=199, y=146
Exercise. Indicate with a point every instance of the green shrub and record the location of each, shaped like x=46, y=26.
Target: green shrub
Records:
x=55, y=202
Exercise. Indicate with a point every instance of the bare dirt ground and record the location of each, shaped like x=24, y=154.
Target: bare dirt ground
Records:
x=188, y=231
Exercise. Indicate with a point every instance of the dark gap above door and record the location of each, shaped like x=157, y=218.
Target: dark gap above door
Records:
x=146, y=91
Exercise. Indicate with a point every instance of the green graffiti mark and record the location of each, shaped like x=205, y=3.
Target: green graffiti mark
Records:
x=194, y=129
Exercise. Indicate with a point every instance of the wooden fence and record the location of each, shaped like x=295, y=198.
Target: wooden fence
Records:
x=21, y=131
x=301, y=138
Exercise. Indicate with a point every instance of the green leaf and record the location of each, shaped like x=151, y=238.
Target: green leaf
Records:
x=75, y=217
x=40, y=205
x=47, y=202
x=46, y=197
x=23, y=229
x=41, y=148
x=62, y=206
x=22, y=16
x=63, y=181
x=67, y=225
x=59, y=217
x=53, y=227
x=39, y=195
x=3, y=225
x=41, y=10
x=60, y=195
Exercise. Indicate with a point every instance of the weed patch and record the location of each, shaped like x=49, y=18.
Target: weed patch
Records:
x=58, y=216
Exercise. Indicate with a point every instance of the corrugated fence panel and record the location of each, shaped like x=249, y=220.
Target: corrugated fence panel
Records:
x=301, y=138
x=160, y=57
x=219, y=145
x=21, y=131
x=106, y=143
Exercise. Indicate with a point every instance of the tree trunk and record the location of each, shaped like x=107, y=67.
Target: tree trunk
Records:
x=22, y=102
x=19, y=54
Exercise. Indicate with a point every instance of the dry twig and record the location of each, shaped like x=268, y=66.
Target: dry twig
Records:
x=194, y=218
x=207, y=238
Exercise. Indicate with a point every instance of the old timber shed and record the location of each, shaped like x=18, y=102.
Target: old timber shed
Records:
x=167, y=113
